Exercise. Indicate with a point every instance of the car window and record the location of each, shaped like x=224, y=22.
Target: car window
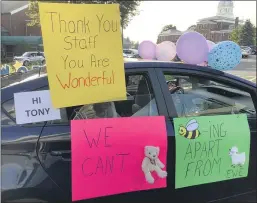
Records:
x=26, y=54
x=140, y=102
x=8, y=106
x=5, y=120
x=127, y=52
x=193, y=96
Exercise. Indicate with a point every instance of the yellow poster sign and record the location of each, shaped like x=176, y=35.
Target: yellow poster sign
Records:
x=83, y=50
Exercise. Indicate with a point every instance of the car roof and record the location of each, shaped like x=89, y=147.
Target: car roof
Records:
x=42, y=80
x=33, y=52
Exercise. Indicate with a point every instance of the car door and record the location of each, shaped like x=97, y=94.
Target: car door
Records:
x=22, y=177
x=194, y=83
x=33, y=57
x=144, y=98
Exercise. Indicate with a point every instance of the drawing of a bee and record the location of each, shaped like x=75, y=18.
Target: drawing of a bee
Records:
x=191, y=130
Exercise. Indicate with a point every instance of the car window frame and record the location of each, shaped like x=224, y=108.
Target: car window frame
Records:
x=220, y=78
x=160, y=103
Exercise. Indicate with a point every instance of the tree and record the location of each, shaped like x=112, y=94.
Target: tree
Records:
x=168, y=27
x=247, y=34
x=128, y=9
x=135, y=45
x=254, y=43
x=235, y=34
x=192, y=28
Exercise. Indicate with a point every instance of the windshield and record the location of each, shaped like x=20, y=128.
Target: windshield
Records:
x=26, y=54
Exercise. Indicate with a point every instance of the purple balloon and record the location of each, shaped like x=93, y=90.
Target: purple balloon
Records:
x=192, y=48
x=146, y=50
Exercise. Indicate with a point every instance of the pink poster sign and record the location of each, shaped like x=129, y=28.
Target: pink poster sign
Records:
x=107, y=155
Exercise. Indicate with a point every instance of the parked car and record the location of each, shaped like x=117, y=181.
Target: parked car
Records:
x=254, y=49
x=131, y=53
x=30, y=57
x=36, y=157
x=246, y=51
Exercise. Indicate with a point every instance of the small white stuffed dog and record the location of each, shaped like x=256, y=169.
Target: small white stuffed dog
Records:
x=152, y=163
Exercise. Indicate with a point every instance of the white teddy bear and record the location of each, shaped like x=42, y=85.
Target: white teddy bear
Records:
x=152, y=163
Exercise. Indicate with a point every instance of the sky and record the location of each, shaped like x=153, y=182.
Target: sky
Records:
x=156, y=14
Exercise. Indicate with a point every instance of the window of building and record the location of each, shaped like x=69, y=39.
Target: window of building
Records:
x=195, y=96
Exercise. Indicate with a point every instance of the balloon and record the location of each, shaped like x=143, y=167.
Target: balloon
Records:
x=22, y=69
x=146, y=50
x=165, y=51
x=224, y=56
x=203, y=64
x=5, y=69
x=192, y=48
x=210, y=44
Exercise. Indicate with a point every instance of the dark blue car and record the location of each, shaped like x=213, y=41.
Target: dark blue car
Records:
x=36, y=157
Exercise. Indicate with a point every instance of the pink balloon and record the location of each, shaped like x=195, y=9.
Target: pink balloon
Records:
x=146, y=50
x=192, y=48
x=210, y=44
x=165, y=51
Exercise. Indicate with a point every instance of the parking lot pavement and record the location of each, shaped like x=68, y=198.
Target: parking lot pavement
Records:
x=251, y=76
x=246, y=69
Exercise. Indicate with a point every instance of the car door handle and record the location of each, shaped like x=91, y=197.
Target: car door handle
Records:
x=65, y=154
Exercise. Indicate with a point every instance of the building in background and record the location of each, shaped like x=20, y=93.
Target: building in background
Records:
x=216, y=28
x=169, y=35
x=17, y=37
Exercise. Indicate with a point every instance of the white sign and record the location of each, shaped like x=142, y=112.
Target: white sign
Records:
x=36, y=106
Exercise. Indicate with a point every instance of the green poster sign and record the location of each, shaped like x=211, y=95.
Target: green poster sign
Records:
x=211, y=149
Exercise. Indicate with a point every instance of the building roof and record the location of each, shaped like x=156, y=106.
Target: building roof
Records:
x=191, y=28
x=221, y=31
x=14, y=40
x=13, y=6
x=218, y=18
x=171, y=32
x=207, y=22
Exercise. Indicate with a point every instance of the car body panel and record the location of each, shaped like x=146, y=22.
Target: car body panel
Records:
x=246, y=51
x=43, y=151
x=223, y=189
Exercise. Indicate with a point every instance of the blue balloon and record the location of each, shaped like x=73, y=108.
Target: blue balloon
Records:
x=5, y=70
x=225, y=55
